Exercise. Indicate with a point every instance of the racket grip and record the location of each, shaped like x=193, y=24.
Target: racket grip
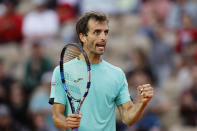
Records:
x=75, y=129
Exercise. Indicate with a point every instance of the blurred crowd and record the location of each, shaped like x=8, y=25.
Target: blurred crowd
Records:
x=153, y=41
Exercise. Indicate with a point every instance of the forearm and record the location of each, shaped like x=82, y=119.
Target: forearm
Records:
x=133, y=114
x=60, y=121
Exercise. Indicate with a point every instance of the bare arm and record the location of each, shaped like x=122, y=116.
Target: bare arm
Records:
x=62, y=122
x=131, y=113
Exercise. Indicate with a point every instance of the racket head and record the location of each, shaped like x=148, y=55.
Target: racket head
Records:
x=75, y=74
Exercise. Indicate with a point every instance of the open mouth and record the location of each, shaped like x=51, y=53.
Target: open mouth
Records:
x=100, y=46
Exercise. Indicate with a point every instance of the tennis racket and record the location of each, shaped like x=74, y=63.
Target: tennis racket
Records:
x=75, y=73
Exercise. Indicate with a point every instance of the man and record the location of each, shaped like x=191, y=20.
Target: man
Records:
x=10, y=23
x=109, y=85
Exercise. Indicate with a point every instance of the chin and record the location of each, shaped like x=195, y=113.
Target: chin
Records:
x=100, y=53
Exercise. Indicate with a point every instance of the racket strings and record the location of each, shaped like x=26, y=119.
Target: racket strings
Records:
x=74, y=50
x=71, y=53
x=70, y=56
x=73, y=99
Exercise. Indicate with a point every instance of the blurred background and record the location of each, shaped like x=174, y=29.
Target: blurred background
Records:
x=153, y=41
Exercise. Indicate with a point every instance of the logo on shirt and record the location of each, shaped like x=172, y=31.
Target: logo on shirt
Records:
x=54, y=84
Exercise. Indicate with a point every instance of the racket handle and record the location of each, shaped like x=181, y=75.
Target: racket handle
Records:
x=75, y=129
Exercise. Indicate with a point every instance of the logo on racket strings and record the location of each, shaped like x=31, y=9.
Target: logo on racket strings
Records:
x=78, y=80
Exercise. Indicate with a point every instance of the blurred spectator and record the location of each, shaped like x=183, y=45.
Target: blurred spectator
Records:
x=35, y=67
x=127, y=6
x=112, y=7
x=101, y=5
x=5, y=82
x=188, y=107
x=152, y=10
x=151, y=120
x=18, y=103
x=2, y=9
x=39, y=123
x=187, y=33
x=186, y=61
x=40, y=96
x=139, y=61
x=7, y=123
x=162, y=55
x=3, y=94
x=173, y=20
x=67, y=33
x=39, y=107
x=123, y=39
x=52, y=4
x=10, y=23
x=41, y=23
x=66, y=10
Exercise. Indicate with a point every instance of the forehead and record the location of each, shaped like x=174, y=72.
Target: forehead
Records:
x=94, y=24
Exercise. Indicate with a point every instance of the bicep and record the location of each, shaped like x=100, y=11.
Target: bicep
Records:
x=58, y=109
x=123, y=108
x=59, y=119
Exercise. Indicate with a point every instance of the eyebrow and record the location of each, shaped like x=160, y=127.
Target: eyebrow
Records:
x=107, y=30
x=100, y=30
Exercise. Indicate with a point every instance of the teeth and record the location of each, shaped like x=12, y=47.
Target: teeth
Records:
x=101, y=47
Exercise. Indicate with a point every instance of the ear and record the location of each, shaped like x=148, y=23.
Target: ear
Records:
x=82, y=37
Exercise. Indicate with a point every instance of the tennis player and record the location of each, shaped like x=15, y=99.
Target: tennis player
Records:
x=108, y=87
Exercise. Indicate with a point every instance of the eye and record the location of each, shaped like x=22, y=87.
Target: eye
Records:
x=97, y=32
x=106, y=32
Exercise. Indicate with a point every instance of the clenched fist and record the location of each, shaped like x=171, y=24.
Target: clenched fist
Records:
x=145, y=93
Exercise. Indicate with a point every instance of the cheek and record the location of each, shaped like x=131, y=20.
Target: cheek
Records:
x=92, y=42
x=90, y=45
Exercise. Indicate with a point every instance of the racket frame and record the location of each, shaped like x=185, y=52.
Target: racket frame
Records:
x=69, y=96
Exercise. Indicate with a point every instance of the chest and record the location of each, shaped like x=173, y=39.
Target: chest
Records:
x=104, y=86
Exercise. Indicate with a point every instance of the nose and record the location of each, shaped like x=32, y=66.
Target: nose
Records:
x=104, y=36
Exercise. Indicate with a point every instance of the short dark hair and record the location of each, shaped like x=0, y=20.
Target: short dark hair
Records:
x=82, y=23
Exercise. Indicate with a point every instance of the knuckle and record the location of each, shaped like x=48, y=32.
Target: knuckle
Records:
x=67, y=119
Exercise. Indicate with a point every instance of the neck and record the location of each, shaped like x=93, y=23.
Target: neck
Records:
x=94, y=59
